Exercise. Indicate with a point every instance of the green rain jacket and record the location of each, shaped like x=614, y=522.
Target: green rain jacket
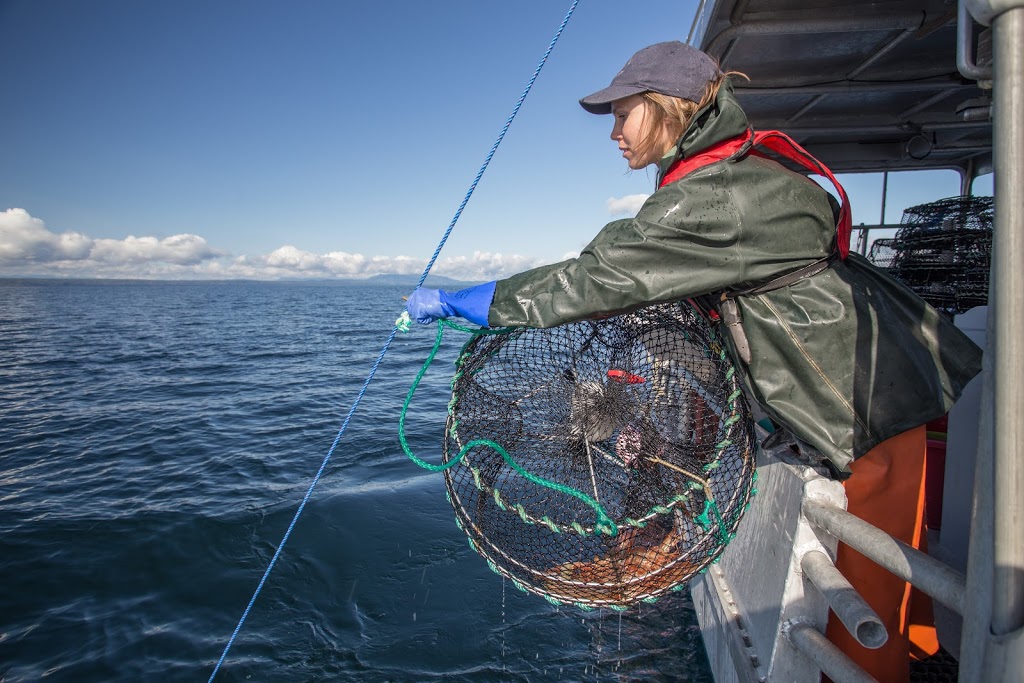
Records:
x=845, y=358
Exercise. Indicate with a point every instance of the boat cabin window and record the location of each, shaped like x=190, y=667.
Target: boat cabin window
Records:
x=878, y=199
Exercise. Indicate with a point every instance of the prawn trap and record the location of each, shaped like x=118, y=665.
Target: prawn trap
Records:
x=599, y=463
x=942, y=252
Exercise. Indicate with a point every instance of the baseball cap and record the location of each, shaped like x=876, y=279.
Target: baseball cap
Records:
x=672, y=68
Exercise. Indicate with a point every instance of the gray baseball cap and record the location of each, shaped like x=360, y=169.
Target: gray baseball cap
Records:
x=671, y=68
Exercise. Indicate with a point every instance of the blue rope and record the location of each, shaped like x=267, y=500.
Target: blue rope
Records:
x=387, y=345
x=501, y=136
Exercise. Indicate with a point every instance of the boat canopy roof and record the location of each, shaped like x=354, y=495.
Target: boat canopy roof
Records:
x=863, y=86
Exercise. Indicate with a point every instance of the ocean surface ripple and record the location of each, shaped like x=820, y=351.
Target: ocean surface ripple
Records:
x=155, y=442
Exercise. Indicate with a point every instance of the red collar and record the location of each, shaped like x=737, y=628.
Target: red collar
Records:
x=779, y=144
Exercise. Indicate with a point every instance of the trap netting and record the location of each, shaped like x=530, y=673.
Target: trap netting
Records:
x=628, y=454
x=942, y=251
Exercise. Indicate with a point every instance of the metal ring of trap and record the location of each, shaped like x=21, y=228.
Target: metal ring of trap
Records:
x=640, y=414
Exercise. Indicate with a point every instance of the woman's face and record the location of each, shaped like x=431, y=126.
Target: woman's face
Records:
x=630, y=114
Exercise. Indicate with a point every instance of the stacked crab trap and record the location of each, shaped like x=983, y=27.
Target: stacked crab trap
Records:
x=599, y=463
x=942, y=251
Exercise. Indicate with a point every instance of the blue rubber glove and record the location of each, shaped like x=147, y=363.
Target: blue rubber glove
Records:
x=473, y=303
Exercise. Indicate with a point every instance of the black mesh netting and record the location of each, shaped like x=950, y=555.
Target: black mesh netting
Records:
x=636, y=441
x=942, y=252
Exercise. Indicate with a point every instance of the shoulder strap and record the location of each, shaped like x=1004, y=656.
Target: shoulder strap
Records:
x=786, y=147
x=778, y=143
x=717, y=152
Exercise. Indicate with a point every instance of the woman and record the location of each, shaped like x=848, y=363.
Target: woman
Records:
x=831, y=347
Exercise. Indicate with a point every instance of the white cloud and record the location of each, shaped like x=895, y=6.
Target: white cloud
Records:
x=25, y=241
x=290, y=258
x=626, y=206
x=290, y=261
x=24, y=238
x=483, y=265
x=342, y=263
x=27, y=247
x=180, y=249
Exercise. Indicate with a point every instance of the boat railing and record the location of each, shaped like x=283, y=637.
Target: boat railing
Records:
x=733, y=603
x=862, y=235
x=938, y=580
x=846, y=603
x=807, y=639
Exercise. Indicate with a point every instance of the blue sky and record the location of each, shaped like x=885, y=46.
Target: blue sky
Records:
x=319, y=138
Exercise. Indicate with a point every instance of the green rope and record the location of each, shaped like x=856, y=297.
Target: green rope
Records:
x=604, y=523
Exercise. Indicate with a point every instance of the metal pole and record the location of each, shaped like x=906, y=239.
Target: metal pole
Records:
x=965, y=46
x=695, y=26
x=885, y=194
x=967, y=177
x=938, y=580
x=1008, y=345
x=858, y=618
x=829, y=658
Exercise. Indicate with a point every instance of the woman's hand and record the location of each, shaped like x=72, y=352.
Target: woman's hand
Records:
x=425, y=306
x=473, y=303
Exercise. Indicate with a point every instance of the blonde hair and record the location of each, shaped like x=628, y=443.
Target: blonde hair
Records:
x=668, y=117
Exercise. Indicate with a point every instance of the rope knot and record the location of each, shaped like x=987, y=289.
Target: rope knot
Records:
x=404, y=322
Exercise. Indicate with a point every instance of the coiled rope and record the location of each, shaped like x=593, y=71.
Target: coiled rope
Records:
x=387, y=344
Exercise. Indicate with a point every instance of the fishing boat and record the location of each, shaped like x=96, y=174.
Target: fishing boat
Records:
x=887, y=87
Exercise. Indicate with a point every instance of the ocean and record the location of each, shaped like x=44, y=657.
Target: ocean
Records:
x=156, y=439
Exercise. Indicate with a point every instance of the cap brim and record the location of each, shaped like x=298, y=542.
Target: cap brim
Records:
x=601, y=101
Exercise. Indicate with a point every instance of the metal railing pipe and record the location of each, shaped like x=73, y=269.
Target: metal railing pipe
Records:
x=857, y=616
x=940, y=581
x=699, y=25
x=829, y=658
x=1008, y=290
x=965, y=46
x=985, y=11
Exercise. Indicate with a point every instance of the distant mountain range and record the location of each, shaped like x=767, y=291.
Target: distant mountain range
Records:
x=387, y=279
x=435, y=281
x=391, y=280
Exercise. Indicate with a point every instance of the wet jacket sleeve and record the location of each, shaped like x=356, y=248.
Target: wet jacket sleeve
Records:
x=730, y=224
